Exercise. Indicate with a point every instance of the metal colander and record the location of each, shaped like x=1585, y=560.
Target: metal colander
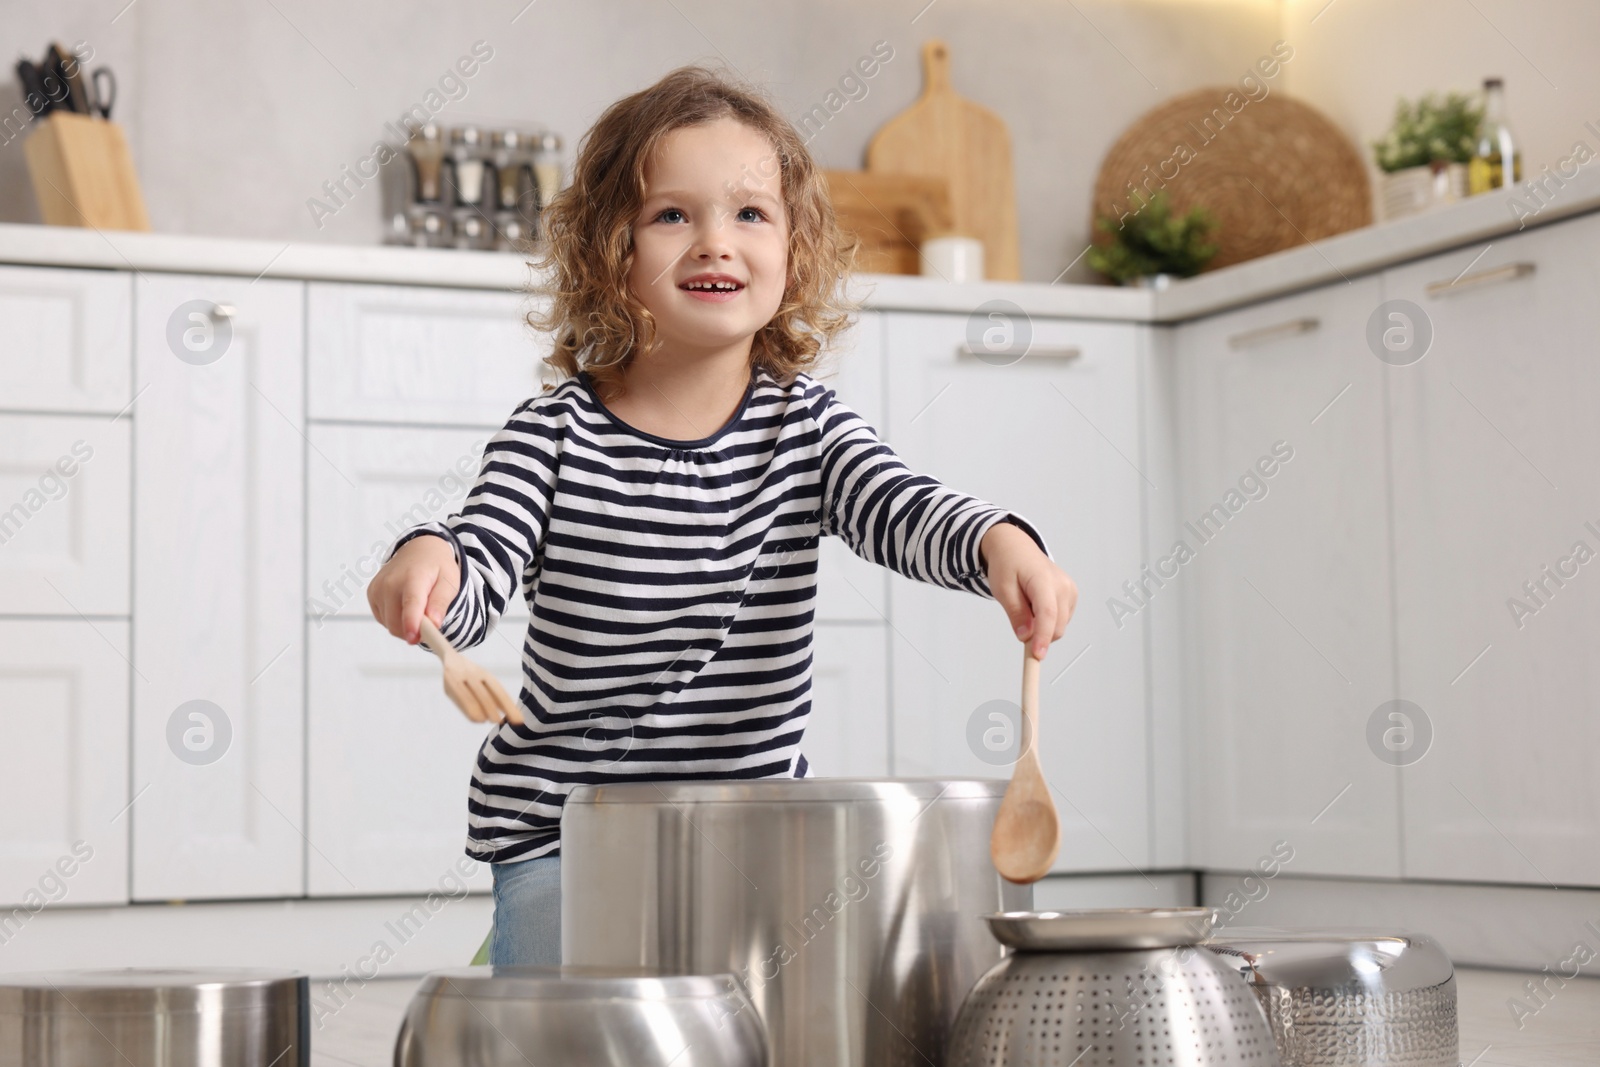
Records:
x=1110, y=1006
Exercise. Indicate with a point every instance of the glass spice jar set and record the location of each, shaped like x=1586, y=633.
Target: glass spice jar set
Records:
x=467, y=187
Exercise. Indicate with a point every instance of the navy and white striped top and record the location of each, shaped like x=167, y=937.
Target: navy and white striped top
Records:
x=672, y=587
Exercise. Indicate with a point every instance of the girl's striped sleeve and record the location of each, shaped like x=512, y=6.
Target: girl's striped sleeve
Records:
x=498, y=531
x=910, y=523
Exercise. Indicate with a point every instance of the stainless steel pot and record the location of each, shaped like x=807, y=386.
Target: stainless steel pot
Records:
x=155, y=1018
x=1110, y=988
x=848, y=909
x=597, y=1017
x=1350, y=998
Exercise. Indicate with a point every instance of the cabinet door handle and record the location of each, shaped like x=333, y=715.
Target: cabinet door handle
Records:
x=1291, y=328
x=223, y=311
x=1509, y=272
x=1011, y=355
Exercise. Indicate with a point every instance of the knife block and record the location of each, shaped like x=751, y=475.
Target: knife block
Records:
x=83, y=173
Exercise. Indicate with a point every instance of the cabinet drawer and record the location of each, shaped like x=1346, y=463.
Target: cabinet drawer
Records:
x=390, y=761
x=378, y=482
x=412, y=354
x=64, y=519
x=64, y=765
x=68, y=339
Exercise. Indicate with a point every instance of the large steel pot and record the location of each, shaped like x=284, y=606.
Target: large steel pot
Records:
x=847, y=908
x=155, y=1018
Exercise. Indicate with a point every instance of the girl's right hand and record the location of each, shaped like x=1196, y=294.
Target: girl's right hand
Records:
x=422, y=577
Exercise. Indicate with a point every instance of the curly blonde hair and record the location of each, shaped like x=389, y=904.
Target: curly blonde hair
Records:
x=596, y=322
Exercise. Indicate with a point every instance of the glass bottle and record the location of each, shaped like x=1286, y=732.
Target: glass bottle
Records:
x=513, y=160
x=547, y=167
x=426, y=149
x=1495, y=144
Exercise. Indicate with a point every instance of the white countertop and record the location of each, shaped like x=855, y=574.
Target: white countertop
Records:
x=1346, y=255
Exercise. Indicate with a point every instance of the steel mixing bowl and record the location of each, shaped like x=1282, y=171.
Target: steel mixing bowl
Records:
x=1350, y=998
x=596, y=1016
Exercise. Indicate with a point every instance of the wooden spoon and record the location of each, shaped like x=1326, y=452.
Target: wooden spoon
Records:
x=478, y=694
x=1027, y=833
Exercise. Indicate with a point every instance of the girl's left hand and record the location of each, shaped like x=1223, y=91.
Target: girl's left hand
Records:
x=1038, y=596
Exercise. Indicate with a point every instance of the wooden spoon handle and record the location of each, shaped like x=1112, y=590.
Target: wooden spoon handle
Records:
x=1030, y=704
x=436, y=641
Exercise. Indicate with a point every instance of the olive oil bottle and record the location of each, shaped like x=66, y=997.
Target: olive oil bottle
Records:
x=1487, y=169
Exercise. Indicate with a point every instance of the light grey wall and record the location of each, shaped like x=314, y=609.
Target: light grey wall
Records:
x=238, y=110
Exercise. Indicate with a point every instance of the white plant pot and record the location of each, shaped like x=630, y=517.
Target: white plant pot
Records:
x=1418, y=189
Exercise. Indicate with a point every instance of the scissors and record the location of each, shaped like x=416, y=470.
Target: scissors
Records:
x=102, y=91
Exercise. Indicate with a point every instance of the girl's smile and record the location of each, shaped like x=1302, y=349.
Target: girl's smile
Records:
x=712, y=287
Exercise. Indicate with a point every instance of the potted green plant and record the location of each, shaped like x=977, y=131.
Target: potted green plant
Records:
x=1152, y=245
x=1425, y=154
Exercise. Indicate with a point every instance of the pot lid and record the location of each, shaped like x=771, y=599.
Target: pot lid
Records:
x=146, y=989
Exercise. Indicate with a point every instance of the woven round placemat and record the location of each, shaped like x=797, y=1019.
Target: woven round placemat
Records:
x=1275, y=172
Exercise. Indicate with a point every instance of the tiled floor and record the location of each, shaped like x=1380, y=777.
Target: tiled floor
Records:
x=1564, y=1032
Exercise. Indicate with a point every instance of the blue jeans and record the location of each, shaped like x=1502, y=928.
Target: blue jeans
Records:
x=527, y=913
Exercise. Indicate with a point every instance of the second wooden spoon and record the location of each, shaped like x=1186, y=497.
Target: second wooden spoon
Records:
x=1027, y=831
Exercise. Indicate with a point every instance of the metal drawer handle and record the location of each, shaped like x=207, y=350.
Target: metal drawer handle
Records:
x=1509, y=272
x=1012, y=355
x=223, y=311
x=1292, y=328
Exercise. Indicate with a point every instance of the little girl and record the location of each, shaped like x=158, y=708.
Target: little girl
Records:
x=660, y=507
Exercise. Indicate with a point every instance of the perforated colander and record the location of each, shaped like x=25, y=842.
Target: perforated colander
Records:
x=1171, y=1006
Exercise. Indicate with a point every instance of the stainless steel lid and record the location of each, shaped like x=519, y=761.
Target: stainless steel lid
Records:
x=1101, y=929
x=149, y=990
x=571, y=982
x=789, y=790
x=1332, y=959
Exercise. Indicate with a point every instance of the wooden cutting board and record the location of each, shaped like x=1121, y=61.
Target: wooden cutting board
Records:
x=945, y=136
x=891, y=214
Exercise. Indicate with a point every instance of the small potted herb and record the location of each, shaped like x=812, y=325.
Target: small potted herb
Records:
x=1152, y=246
x=1424, y=157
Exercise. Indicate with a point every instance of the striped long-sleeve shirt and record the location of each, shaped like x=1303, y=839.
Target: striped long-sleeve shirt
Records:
x=672, y=587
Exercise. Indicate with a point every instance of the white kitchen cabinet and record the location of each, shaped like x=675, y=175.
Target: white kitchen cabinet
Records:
x=1495, y=441
x=64, y=515
x=67, y=339
x=378, y=482
x=1287, y=588
x=63, y=766
x=390, y=759
x=849, y=589
x=411, y=354
x=219, y=507
x=848, y=732
x=1054, y=436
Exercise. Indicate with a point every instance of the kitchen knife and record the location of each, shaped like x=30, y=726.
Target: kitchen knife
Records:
x=33, y=89
x=55, y=65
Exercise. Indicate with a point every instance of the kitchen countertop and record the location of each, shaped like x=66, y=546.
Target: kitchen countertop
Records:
x=1564, y=1033
x=1479, y=219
